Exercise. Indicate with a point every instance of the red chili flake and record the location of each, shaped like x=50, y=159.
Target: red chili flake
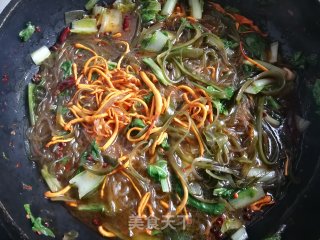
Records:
x=96, y=222
x=126, y=23
x=61, y=145
x=235, y=195
x=68, y=83
x=5, y=78
x=64, y=35
x=26, y=187
x=79, y=55
x=68, y=166
x=60, y=154
x=38, y=29
x=219, y=221
x=55, y=47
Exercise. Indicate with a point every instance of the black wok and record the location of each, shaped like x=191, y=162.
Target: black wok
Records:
x=296, y=24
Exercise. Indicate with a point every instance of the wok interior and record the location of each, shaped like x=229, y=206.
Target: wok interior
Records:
x=259, y=227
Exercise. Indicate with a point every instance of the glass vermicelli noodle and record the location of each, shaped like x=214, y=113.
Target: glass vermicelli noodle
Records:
x=163, y=125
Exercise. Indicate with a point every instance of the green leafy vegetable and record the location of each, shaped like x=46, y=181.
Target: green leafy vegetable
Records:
x=257, y=86
x=229, y=91
x=37, y=225
x=149, y=10
x=86, y=182
x=148, y=98
x=66, y=67
x=155, y=42
x=165, y=144
x=300, y=60
x=255, y=44
x=226, y=93
x=137, y=122
x=93, y=152
x=160, y=18
x=231, y=44
x=159, y=172
x=26, y=33
x=249, y=70
x=224, y=193
x=50, y=179
x=220, y=106
x=316, y=94
x=186, y=23
x=112, y=65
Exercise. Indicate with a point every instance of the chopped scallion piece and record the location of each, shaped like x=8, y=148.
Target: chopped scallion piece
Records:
x=26, y=33
x=37, y=225
x=136, y=122
x=159, y=171
x=40, y=55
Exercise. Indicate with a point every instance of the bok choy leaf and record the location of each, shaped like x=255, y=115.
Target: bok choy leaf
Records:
x=86, y=182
